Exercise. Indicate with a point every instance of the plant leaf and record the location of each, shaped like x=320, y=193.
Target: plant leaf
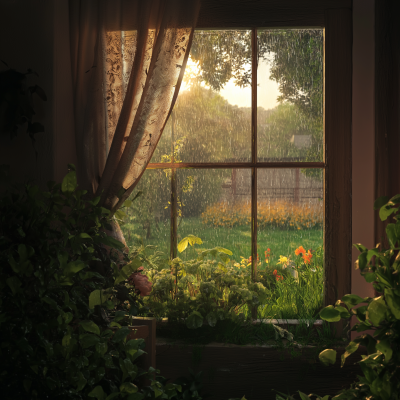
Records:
x=128, y=387
x=328, y=356
x=377, y=310
x=380, y=202
x=330, y=314
x=98, y=393
x=194, y=320
x=350, y=349
x=90, y=326
x=69, y=183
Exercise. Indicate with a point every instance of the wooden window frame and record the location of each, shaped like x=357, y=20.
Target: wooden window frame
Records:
x=335, y=16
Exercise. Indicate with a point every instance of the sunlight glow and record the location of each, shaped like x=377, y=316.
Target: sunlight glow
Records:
x=268, y=91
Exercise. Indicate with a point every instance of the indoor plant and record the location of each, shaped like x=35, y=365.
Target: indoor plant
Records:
x=381, y=314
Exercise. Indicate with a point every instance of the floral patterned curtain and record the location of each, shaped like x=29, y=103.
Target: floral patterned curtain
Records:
x=128, y=60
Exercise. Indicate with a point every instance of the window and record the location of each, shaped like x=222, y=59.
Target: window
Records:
x=245, y=157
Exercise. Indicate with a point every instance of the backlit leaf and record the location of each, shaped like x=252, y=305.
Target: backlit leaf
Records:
x=328, y=357
x=330, y=314
x=377, y=310
x=69, y=183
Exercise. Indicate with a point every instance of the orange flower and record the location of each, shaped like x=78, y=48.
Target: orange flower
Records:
x=300, y=250
x=307, y=257
x=275, y=272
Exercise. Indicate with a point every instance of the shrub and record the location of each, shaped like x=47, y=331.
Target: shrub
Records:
x=278, y=214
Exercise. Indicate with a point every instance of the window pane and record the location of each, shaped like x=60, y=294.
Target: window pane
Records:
x=212, y=115
x=211, y=210
x=149, y=215
x=290, y=95
x=289, y=218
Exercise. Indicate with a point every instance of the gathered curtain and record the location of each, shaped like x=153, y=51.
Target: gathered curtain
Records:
x=128, y=59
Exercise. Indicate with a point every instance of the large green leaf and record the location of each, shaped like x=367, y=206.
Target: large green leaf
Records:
x=328, y=356
x=352, y=300
x=127, y=270
x=393, y=302
x=73, y=267
x=190, y=239
x=69, y=183
x=90, y=326
x=385, y=212
x=377, y=310
x=98, y=297
x=384, y=347
x=330, y=314
x=128, y=387
x=380, y=202
x=98, y=393
x=350, y=349
x=195, y=320
x=393, y=234
x=223, y=250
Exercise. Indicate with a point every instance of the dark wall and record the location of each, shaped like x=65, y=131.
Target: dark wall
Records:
x=26, y=41
x=387, y=103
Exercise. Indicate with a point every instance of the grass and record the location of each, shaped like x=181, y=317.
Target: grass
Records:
x=237, y=239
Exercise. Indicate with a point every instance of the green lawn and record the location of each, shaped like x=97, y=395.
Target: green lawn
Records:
x=238, y=239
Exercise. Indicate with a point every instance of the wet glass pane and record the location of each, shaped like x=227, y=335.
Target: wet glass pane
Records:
x=211, y=121
x=290, y=95
x=212, y=207
x=290, y=217
x=148, y=217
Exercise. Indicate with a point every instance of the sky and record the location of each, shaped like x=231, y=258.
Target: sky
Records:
x=268, y=90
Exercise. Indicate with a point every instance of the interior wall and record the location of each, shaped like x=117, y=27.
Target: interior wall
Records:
x=64, y=130
x=26, y=41
x=363, y=147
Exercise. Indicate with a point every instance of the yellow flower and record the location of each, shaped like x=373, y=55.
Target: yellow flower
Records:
x=284, y=261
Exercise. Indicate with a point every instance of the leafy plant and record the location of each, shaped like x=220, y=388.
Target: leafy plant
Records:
x=211, y=287
x=379, y=266
x=302, y=396
x=57, y=281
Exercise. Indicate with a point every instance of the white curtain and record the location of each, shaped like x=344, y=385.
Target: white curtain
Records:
x=128, y=60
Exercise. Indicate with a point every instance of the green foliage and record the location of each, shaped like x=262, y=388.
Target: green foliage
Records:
x=211, y=287
x=295, y=57
x=302, y=396
x=192, y=386
x=208, y=288
x=57, y=282
x=381, y=266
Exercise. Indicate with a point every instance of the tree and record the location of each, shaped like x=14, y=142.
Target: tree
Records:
x=296, y=64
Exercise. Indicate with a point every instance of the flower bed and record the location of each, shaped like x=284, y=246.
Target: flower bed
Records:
x=212, y=287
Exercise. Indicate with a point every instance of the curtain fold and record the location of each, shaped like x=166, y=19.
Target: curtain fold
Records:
x=128, y=60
